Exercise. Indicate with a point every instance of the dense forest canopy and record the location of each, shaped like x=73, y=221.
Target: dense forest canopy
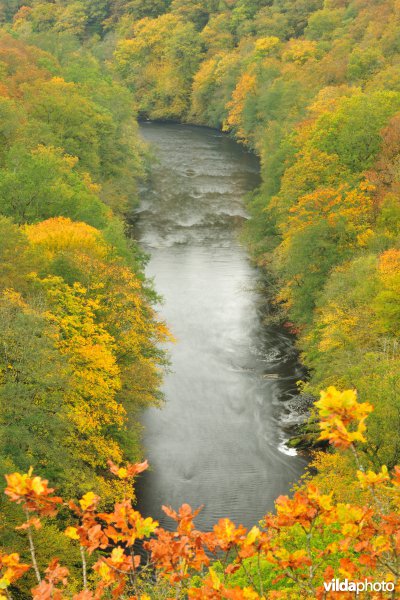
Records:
x=79, y=351
x=311, y=86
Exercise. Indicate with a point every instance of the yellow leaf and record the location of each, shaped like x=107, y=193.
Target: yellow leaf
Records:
x=72, y=533
x=215, y=579
x=88, y=500
x=37, y=486
x=122, y=473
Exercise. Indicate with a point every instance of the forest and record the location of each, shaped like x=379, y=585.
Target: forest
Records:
x=312, y=87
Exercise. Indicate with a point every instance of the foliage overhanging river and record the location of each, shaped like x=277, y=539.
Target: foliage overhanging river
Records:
x=219, y=439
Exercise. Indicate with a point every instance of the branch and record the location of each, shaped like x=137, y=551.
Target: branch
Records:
x=32, y=549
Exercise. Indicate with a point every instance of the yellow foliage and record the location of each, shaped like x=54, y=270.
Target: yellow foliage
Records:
x=266, y=45
x=299, y=51
x=371, y=479
x=102, y=318
x=72, y=533
x=59, y=234
x=89, y=500
x=245, y=86
x=342, y=417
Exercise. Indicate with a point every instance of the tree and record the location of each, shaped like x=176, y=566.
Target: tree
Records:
x=9, y=125
x=109, y=334
x=45, y=183
x=387, y=301
x=34, y=381
x=62, y=117
x=158, y=63
x=149, y=8
x=190, y=10
x=352, y=131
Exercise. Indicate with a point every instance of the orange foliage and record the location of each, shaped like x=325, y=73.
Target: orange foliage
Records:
x=11, y=569
x=352, y=206
x=21, y=63
x=389, y=264
x=33, y=493
x=366, y=538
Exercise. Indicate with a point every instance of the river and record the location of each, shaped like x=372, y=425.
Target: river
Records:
x=220, y=438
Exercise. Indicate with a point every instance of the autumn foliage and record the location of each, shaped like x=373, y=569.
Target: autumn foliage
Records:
x=309, y=539
x=311, y=86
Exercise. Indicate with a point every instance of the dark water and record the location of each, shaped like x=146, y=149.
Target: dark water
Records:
x=219, y=440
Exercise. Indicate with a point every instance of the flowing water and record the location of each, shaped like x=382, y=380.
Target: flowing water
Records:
x=220, y=438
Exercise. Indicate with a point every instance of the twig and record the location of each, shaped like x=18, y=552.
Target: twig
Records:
x=32, y=548
x=84, y=567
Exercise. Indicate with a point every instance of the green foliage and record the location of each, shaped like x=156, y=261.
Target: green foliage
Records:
x=9, y=124
x=352, y=131
x=139, y=9
x=351, y=345
x=33, y=379
x=63, y=118
x=363, y=63
x=44, y=183
x=323, y=24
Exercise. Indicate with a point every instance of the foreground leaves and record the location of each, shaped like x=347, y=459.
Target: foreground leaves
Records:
x=309, y=539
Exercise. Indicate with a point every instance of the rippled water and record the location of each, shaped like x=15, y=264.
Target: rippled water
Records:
x=219, y=440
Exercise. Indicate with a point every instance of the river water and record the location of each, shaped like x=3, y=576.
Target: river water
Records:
x=219, y=439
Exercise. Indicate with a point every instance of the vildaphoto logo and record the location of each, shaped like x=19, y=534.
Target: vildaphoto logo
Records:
x=344, y=585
